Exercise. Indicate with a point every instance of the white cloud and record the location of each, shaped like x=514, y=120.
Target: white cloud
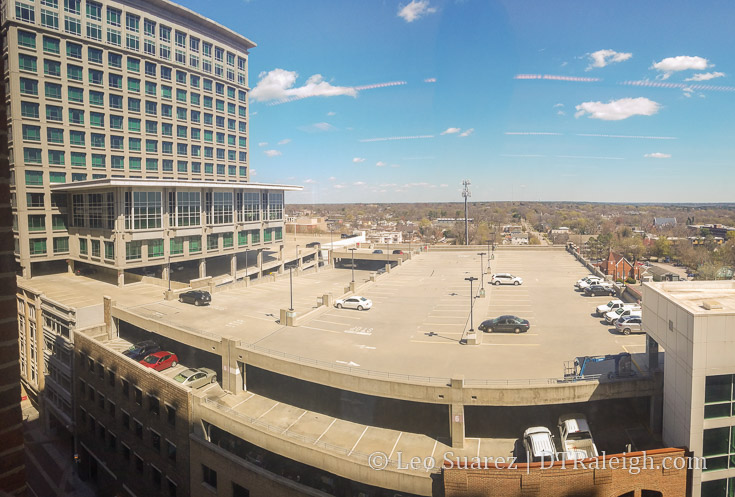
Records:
x=253, y=172
x=467, y=132
x=443, y=185
x=380, y=163
x=309, y=181
x=556, y=106
x=284, y=141
x=671, y=65
x=430, y=80
x=705, y=76
x=392, y=138
x=603, y=58
x=332, y=178
x=263, y=144
x=272, y=153
x=616, y=110
x=357, y=160
x=658, y=155
x=317, y=127
x=331, y=113
x=278, y=84
x=451, y=131
x=358, y=183
x=415, y=10
x=339, y=187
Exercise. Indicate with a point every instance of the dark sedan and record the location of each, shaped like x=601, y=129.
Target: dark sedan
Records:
x=599, y=290
x=512, y=324
x=196, y=297
x=141, y=349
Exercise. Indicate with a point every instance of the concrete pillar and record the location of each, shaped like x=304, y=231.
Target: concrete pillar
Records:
x=202, y=268
x=231, y=373
x=456, y=413
x=657, y=403
x=26, y=270
x=300, y=262
x=120, y=278
x=70, y=266
x=259, y=263
x=280, y=252
x=387, y=268
x=281, y=268
x=110, y=323
x=165, y=273
x=233, y=266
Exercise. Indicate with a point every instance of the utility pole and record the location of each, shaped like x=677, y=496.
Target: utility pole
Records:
x=466, y=194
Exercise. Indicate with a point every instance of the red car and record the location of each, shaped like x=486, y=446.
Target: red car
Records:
x=160, y=360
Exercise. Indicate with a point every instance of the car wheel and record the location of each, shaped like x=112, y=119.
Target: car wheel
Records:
x=626, y=331
x=173, y=364
x=496, y=283
x=489, y=330
x=339, y=306
x=214, y=380
x=180, y=299
x=516, y=330
x=516, y=283
x=359, y=308
x=197, y=303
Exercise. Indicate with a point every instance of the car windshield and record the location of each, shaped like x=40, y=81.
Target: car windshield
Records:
x=181, y=377
x=151, y=359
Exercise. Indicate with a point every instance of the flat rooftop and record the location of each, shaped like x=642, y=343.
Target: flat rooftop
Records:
x=691, y=295
x=421, y=312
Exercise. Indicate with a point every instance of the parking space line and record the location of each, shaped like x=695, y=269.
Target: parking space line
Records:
x=269, y=410
x=297, y=420
x=325, y=431
x=339, y=316
x=319, y=329
x=514, y=344
x=395, y=445
x=244, y=400
x=438, y=324
x=330, y=322
x=358, y=440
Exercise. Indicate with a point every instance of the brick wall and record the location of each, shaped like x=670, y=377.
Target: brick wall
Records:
x=111, y=371
x=12, y=462
x=589, y=481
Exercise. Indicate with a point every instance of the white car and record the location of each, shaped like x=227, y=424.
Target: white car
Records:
x=603, y=309
x=620, y=312
x=505, y=279
x=591, y=281
x=539, y=444
x=585, y=279
x=354, y=302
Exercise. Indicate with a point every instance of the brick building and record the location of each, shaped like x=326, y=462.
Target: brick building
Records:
x=619, y=267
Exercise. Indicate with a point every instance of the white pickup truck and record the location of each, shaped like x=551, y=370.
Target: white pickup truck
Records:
x=576, y=439
x=610, y=306
x=587, y=281
x=626, y=310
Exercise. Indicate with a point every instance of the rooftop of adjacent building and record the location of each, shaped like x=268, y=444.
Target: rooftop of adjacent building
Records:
x=694, y=296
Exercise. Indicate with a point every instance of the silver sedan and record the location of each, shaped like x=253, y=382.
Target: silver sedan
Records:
x=195, y=378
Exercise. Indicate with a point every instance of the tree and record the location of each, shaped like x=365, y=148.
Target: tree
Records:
x=662, y=247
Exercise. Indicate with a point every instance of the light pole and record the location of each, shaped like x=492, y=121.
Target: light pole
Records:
x=168, y=270
x=290, y=281
x=472, y=301
x=466, y=194
x=353, y=263
x=246, y=264
x=482, y=269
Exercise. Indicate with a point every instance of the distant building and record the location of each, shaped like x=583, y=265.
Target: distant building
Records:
x=619, y=267
x=716, y=230
x=306, y=225
x=385, y=237
x=660, y=222
x=450, y=221
x=519, y=238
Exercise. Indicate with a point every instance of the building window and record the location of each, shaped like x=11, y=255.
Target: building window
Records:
x=195, y=244
x=719, y=399
x=133, y=251
x=155, y=248
x=212, y=242
x=238, y=491
x=49, y=19
x=61, y=245
x=176, y=245
x=222, y=207
x=171, y=415
x=209, y=476
x=718, y=448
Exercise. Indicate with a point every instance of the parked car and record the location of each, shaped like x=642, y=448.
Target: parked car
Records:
x=196, y=297
x=141, y=349
x=505, y=323
x=586, y=279
x=196, y=377
x=355, y=302
x=600, y=290
x=377, y=251
x=313, y=244
x=160, y=360
x=613, y=316
x=505, y=279
x=603, y=309
x=576, y=438
x=539, y=444
x=398, y=252
x=627, y=324
x=589, y=282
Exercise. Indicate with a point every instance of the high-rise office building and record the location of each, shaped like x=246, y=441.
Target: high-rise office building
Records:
x=129, y=137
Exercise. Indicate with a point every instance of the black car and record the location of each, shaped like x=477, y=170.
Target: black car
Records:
x=400, y=252
x=377, y=251
x=313, y=244
x=196, y=297
x=505, y=323
x=141, y=349
x=599, y=290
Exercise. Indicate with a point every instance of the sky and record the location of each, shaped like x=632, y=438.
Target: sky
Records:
x=537, y=100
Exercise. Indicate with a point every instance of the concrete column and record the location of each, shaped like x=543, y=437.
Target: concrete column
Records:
x=110, y=323
x=300, y=262
x=280, y=252
x=120, y=277
x=70, y=266
x=202, y=268
x=259, y=263
x=456, y=413
x=26, y=270
x=231, y=381
x=233, y=267
x=165, y=273
x=281, y=268
x=387, y=268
